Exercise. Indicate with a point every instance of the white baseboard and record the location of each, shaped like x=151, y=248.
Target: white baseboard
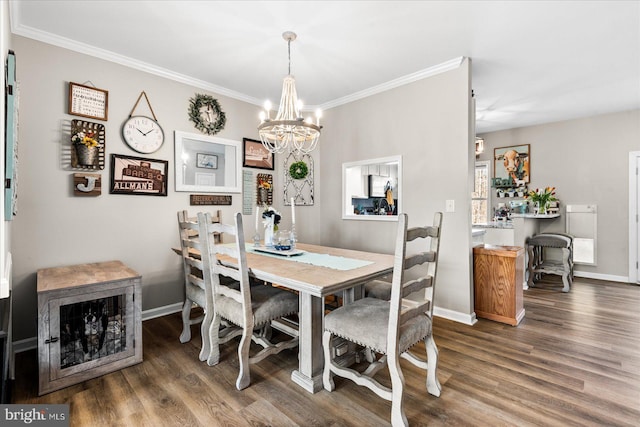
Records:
x=456, y=316
x=25, y=345
x=599, y=276
x=32, y=343
x=161, y=311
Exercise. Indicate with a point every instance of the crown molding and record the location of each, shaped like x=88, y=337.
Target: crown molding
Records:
x=392, y=84
x=107, y=55
x=73, y=45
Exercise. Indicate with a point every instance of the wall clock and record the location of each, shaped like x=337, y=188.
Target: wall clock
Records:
x=143, y=134
x=206, y=114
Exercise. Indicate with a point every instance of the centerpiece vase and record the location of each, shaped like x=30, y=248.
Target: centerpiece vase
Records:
x=268, y=231
x=86, y=155
x=542, y=208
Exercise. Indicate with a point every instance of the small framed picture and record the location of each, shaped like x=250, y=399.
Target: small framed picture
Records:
x=87, y=101
x=209, y=161
x=256, y=155
x=137, y=175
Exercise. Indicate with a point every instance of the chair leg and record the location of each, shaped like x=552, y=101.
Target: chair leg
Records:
x=398, y=417
x=244, y=377
x=532, y=257
x=214, y=340
x=185, y=336
x=433, y=385
x=205, y=332
x=327, y=377
x=567, y=270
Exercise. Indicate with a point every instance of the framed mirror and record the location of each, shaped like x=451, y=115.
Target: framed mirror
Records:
x=372, y=189
x=207, y=164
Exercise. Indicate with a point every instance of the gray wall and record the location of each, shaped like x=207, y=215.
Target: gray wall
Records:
x=587, y=160
x=53, y=227
x=427, y=122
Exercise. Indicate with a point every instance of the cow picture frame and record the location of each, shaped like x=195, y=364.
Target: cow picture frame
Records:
x=513, y=164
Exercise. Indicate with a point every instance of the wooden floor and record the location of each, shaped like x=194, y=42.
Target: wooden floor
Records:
x=573, y=361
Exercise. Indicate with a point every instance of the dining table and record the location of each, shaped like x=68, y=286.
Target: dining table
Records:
x=315, y=272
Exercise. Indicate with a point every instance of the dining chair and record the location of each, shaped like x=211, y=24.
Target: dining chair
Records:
x=195, y=289
x=250, y=308
x=390, y=328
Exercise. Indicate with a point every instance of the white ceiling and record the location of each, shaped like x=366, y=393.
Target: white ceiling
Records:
x=533, y=61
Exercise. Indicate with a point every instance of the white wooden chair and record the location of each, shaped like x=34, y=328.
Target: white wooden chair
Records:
x=390, y=328
x=195, y=290
x=251, y=308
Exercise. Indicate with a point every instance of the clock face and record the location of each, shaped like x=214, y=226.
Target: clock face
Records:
x=142, y=134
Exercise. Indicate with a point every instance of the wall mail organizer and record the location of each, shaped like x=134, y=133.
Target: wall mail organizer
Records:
x=265, y=189
x=87, y=145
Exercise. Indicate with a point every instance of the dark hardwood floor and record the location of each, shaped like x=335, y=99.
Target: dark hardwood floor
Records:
x=573, y=361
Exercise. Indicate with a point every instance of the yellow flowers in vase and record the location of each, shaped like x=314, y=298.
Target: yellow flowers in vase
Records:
x=542, y=198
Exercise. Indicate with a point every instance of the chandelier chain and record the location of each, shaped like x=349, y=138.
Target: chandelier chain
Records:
x=289, y=50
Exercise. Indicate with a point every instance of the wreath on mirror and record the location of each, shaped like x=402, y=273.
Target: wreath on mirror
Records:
x=298, y=170
x=212, y=119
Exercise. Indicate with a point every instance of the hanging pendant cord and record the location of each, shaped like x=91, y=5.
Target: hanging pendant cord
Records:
x=289, y=50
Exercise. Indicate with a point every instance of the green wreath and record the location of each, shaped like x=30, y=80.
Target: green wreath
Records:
x=298, y=170
x=210, y=127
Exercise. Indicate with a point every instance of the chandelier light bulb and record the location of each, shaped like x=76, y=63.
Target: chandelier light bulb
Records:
x=267, y=108
x=262, y=116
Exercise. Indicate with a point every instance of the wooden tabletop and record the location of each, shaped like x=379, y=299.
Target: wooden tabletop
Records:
x=50, y=279
x=313, y=279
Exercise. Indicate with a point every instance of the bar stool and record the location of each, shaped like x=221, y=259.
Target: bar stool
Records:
x=539, y=265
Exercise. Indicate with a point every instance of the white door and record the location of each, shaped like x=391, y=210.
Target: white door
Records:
x=634, y=217
x=637, y=217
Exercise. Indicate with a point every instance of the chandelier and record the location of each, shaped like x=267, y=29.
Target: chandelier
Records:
x=288, y=130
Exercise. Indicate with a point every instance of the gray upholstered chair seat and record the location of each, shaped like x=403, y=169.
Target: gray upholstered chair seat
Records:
x=267, y=303
x=550, y=241
x=378, y=289
x=366, y=322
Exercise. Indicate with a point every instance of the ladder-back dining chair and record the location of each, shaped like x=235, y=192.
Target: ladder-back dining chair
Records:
x=250, y=308
x=390, y=328
x=195, y=289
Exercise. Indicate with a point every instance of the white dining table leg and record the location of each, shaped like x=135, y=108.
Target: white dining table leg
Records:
x=310, y=356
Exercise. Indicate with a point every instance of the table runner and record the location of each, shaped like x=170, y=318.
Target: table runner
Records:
x=320, y=260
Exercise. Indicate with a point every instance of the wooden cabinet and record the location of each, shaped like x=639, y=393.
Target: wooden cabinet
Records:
x=497, y=282
x=89, y=322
